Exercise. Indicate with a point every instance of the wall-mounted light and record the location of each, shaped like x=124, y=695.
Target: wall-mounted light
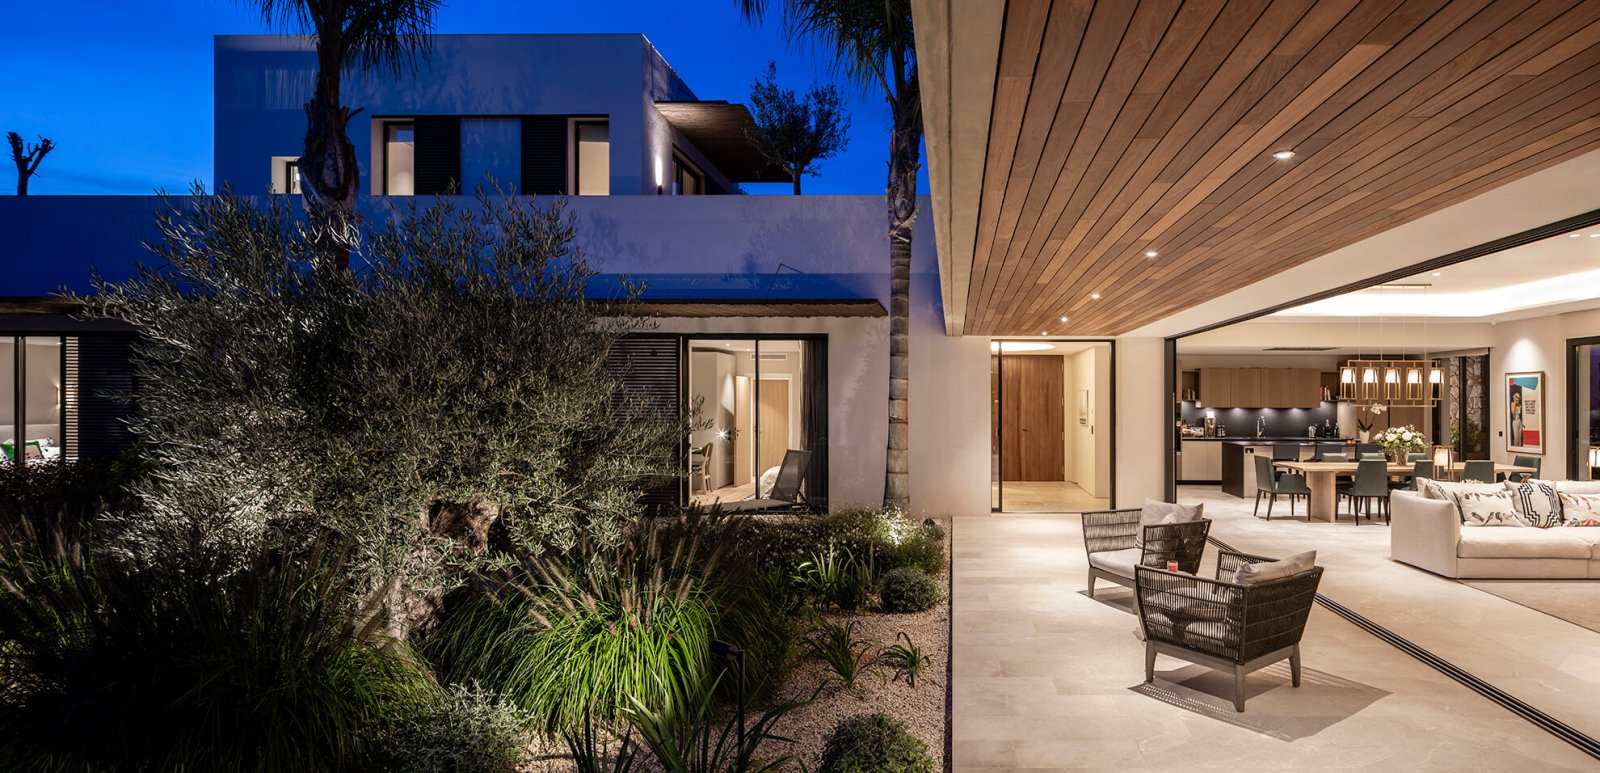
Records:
x=661, y=175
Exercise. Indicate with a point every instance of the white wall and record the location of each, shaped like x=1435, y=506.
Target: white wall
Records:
x=1538, y=344
x=1089, y=442
x=1143, y=411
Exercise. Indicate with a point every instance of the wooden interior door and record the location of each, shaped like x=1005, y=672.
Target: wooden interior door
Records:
x=773, y=411
x=1033, y=417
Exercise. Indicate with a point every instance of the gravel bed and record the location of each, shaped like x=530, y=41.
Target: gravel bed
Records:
x=923, y=708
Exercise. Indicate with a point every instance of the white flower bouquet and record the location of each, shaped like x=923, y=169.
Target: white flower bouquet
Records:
x=1402, y=439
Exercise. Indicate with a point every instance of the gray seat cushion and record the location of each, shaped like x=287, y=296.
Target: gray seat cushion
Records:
x=1522, y=543
x=1117, y=562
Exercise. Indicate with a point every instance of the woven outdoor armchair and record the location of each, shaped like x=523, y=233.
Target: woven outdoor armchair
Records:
x=1222, y=624
x=1108, y=537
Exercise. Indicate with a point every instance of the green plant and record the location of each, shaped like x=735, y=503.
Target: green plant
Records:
x=470, y=730
x=759, y=610
x=838, y=577
x=687, y=733
x=205, y=665
x=909, y=590
x=583, y=638
x=597, y=750
x=907, y=659
x=457, y=389
x=874, y=743
x=910, y=544
x=838, y=646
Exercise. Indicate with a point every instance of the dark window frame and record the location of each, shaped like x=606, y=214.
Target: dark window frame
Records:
x=1577, y=415
x=684, y=349
x=681, y=165
x=575, y=123
x=291, y=176
x=386, y=125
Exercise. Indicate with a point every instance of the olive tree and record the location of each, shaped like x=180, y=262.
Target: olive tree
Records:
x=448, y=408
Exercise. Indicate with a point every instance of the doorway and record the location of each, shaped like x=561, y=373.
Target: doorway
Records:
x=1050, y=426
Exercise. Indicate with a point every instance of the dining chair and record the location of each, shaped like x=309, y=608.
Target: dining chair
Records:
x=1368, y=456
x=1271, y=483
x=1526, y=461
x=1285, y=452
x=1417, y=457
x=1369, y=448
x=1420, y=468
x=1323, y=449
x=1480, y=470
x=1335, y=458
x=1371, y=486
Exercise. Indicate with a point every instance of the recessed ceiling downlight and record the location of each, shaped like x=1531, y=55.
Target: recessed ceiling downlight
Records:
x=1283, y=155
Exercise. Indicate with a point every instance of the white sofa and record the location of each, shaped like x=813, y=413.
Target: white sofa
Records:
x=1428, y=534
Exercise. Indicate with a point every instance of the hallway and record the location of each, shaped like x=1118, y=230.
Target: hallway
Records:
x=1045, y=678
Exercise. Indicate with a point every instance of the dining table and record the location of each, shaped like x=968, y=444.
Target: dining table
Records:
x=1322, y=477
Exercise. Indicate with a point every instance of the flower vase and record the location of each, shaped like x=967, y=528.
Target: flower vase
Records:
x=1366, y=436
x=1398, y=455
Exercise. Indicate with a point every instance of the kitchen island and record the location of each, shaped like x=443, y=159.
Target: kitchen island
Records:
x=1238, y=459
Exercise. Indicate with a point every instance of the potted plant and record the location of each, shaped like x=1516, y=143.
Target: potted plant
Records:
x=1399, y=441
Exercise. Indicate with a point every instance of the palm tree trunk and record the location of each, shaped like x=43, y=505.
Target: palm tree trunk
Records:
x=904, y=158
x=331, y=178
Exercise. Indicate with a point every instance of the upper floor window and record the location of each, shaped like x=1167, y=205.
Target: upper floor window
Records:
x=592, y=158
x=291, y=176
x=399, y=158
x=687, y=180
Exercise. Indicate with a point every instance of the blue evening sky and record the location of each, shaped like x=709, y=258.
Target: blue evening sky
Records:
x=125, y=88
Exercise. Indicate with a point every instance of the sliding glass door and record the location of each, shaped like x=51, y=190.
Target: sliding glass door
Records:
x=762, y=405
x=1583, y=409
x=32, y=425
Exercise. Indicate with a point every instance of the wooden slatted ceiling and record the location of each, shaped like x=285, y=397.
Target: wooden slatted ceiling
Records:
x=1120, y=127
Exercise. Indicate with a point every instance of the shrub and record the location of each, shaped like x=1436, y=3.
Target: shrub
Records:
x=919, y=546
x=874, y=743
x=907, y=659
x=688, y=734
x=838, y=577
x=838, y=646
x=59, y=500
x=909, y=590
x=758, y=611
x=573, y=642
x=267, y=668
x=470, y=730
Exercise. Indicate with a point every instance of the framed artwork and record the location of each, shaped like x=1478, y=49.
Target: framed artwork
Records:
x=1525, y=412
x=1083, y=407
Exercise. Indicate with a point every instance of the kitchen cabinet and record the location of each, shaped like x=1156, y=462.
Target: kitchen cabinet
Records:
x=1216, y=387
x=1260, y=387
x=1201, y=461
x=1247, y=388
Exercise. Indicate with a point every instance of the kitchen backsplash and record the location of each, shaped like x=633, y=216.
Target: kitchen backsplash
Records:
x=1281, y=422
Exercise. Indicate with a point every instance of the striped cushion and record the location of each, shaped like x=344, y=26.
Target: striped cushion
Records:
x=1536, y=502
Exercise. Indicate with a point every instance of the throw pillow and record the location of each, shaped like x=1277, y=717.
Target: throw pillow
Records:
x=1580, y=509
x=1577, y=486
x=1488, y=508
x=1536, y=502
x=1267, y=571
x=1156, y=512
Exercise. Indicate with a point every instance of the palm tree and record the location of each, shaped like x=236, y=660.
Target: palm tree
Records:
x=872, y=44
x=369, y=34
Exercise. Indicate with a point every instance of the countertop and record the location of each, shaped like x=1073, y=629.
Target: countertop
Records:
x=1272, y=439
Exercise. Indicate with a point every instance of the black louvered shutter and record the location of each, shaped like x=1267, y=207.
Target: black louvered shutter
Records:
x=544, y=155
x=99, y=376
x=438, y=153
x=649, y=369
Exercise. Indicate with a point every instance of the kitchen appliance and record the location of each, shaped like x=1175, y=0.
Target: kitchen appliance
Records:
x=1312, y=430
